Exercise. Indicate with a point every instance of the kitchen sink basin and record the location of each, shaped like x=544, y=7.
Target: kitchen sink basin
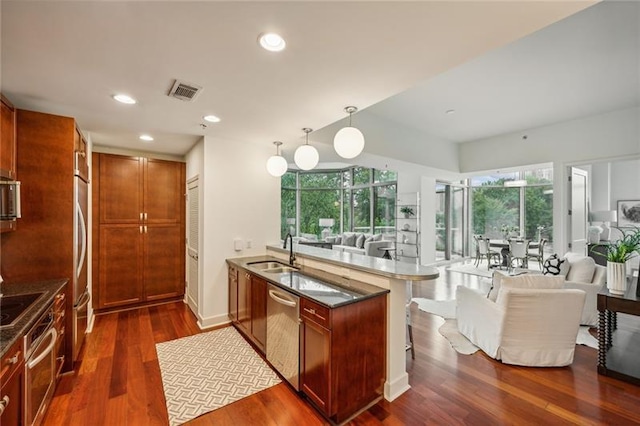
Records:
x=272, y=267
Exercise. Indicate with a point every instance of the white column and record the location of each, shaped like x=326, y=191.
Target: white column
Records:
x=397, y=378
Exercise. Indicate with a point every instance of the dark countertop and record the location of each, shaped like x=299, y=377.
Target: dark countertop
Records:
x=327, y=289
x=50, y=288
x=369, y=264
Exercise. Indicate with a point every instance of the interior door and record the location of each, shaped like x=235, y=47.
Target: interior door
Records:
x=192, y=243
x=578, y=212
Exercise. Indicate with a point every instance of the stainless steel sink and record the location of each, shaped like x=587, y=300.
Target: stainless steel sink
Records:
x=272, y=267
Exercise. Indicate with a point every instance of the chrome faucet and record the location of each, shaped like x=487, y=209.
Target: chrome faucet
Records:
x=292, y=256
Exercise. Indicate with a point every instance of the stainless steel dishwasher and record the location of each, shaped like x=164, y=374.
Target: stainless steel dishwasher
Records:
x=283, y=334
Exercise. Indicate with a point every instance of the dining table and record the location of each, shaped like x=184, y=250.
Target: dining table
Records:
x=503, y=245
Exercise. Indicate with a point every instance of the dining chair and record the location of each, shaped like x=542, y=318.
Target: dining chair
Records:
x=538, y=254
x=518, y=251
x=477, y=237
x=484, y=250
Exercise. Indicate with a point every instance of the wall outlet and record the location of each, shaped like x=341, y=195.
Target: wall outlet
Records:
x=237, y=244
x=249, y=244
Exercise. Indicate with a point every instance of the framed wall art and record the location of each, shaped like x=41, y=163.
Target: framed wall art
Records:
x=628, y=213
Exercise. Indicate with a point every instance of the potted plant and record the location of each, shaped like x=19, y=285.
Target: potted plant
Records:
x=618, y=252
x=407, y=211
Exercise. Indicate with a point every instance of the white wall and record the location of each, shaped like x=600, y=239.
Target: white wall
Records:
x=240, y=201
x=610, y=135
x=625, y=181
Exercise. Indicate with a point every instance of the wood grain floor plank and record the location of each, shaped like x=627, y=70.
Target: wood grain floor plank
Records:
x=120, y=373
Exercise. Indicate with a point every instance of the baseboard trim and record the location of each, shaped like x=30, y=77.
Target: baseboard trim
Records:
x=394, y=389
x=215, y=321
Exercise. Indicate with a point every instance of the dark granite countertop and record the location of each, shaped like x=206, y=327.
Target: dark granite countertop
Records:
x=50, y=288
x=327, y=289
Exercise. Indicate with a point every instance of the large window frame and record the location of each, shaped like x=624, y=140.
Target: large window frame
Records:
x=355, y=185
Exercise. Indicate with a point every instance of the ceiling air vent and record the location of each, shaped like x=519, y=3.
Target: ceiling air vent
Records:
x=184, y=91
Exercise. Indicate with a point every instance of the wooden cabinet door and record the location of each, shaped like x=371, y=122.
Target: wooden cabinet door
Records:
x=259, y=311
x=13, y=390
x=244, y=302
x=163, y=261
x=315, y=364
x=8, y=141
x=233, y=294
x=120, y=189
x=120, y=265
x=164, y=188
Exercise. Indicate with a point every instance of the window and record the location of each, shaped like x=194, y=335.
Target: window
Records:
x=357, y=198
x=521, y=202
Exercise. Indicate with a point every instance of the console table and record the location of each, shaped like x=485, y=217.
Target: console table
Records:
x=619, y=338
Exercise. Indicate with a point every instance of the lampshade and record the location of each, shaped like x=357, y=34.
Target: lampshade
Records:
x=604, y=216
x=349, y=141
x=306, y=157
x=326, y=223
x=276, y=164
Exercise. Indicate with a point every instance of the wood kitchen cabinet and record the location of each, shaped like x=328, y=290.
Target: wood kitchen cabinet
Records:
x=139, y=209
x=12, y=386
x=8, y=141
x=250, y=301
x=343, y=355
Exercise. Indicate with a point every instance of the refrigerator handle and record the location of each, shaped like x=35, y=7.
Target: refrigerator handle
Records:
x=83, y=237
x=84, y=300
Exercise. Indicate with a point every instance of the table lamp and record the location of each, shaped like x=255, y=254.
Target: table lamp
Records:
x=327, y=224
x=605, y=217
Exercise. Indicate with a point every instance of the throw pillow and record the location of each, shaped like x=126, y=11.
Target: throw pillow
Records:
x=528, y=281
x=360, y=241
x=377, y=237
x=369, y=239
x=337, y=240
x=582, y=269
x=349, y=239
x=552, y=266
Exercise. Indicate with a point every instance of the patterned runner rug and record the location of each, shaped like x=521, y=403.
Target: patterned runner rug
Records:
x=204, y=372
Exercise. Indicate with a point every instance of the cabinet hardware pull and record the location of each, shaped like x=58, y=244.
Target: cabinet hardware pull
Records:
x=13, y=359
x=145, y=229
x=141, y=229
x=3, y=403
x=313, y=312
x=145, y=216
x=140, y=215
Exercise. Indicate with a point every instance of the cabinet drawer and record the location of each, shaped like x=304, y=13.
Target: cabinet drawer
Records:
x=315, y=312
x=11, y=361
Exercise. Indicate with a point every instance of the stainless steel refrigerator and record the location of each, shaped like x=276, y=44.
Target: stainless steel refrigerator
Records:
x=81, y=295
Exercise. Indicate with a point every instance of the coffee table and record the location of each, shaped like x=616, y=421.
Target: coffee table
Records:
x=387, y=252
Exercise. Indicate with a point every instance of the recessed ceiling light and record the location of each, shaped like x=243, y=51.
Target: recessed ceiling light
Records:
x=450, y=111
x=211, y=118
x=147, y=138
x=272, y=42
x=125, y=99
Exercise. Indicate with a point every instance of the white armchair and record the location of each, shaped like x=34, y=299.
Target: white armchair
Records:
x=531, y=326
x=582, y=273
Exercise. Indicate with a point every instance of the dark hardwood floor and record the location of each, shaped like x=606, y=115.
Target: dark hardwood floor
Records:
x=118, y=382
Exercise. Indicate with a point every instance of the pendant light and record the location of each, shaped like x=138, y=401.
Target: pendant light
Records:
x=276, y=164
x=349, y=141
x=306, y=156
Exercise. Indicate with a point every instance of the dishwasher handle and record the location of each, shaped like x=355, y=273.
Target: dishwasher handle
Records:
x=276, y=296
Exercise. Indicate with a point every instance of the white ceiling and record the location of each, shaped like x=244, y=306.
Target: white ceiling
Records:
x=69, y=58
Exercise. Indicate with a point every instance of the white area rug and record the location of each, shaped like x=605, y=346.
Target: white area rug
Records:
x=449, y=330
x=206, y=371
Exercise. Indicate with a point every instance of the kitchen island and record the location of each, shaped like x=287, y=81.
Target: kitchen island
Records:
x=389, y=275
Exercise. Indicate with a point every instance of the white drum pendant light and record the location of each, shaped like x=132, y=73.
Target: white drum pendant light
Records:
x=349, y=141
x=276, y=164
x=306, y=156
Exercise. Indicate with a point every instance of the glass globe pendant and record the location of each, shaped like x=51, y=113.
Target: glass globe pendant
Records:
x=349, y=141
x=276, y=164
x=306, y=157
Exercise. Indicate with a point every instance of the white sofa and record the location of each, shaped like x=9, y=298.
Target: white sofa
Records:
x=533, y=322
x=360, y=243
